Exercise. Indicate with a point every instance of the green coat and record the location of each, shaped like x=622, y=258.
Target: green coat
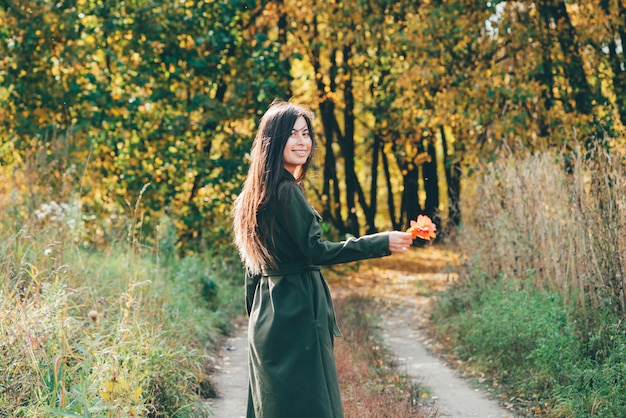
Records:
x=291, y=317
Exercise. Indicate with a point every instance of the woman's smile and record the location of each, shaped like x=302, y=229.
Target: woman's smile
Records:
x=298, y=146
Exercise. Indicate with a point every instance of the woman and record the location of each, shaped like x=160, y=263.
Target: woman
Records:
x=291, y=318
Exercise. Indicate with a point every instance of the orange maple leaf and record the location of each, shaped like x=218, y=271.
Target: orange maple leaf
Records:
x=423, y=228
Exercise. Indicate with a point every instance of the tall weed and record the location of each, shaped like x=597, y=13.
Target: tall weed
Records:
x=532, y=216
x=115, y=333
x=540, y=300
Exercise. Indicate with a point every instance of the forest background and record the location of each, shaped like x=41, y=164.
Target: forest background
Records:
x=125, y=128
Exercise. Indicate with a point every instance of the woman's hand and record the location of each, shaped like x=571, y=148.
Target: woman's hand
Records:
x=399, y=242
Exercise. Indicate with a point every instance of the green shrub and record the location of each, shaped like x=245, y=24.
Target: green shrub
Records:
x=597, y=385
x=533, y=343
x=517, y=329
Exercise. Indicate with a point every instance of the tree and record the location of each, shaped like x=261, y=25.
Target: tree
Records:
x=160, y=93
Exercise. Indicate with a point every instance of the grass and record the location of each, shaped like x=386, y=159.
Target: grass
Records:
x=540, y=301
x=120, y=332
x=370, y=384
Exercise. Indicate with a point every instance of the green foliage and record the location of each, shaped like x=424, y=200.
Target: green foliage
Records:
x=532, y=343
x=516, y=331
x=118, y=95
x=116, y=333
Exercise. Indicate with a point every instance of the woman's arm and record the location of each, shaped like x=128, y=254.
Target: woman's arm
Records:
x=301, y=224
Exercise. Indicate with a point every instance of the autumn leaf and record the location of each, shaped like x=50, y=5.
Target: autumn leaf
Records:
x=423, y=228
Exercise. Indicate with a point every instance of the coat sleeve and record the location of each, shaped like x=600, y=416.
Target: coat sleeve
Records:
x=301, y=224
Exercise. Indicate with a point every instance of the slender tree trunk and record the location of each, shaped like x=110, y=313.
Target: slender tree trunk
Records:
x=616, y=56
x=545, y=76
x=370, y=215
x=431, y=184
x=330, y=188
x=452, y=167
x=347, y=145
x=396, y=223
x=410, y=196
x=331, y=201
x=282, y=40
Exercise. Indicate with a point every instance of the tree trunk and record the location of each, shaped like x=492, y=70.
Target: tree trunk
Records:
x=431, y=184
x=410, y=196
x=544, y=75
x=331, y=202
x=370, y=214
x=616, y=57
x=452, y=167
x=282, y=40
x=554, y=11
x=396, y=223
x=347, y=145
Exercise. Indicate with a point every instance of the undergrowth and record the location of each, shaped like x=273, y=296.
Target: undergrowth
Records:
x=531, y=345
x=117, y=332
x=539, y=305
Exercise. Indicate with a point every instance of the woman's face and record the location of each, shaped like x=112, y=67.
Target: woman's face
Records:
x=298, y=146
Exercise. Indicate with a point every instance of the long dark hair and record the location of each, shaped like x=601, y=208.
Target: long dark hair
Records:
x=252, y=234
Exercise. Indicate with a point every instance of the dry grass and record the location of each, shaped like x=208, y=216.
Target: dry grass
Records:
x=539, y=302
x=370, y=385
x=531, y=219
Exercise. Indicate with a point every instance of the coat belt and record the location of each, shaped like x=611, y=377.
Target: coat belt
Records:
x=288, y=269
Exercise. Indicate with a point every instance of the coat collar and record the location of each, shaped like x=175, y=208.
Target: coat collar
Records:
x=287, y=175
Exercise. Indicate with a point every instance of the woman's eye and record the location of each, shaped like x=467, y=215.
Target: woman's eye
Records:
x=304, y=134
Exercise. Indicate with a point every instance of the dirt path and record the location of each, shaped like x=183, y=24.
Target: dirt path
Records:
x=231, y=376
x=452, y=396
x=402, y=285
